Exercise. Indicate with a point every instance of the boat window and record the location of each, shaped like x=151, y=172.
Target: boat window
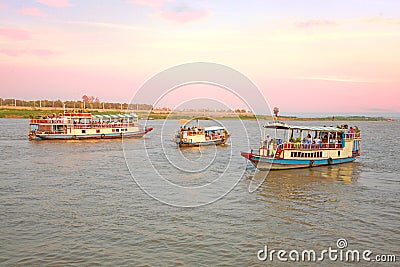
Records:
x=97, y=131
x=117, y=130
x=83, y=131
x=338, y=153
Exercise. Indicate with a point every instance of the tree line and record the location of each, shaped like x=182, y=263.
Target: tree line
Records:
x=90, y=102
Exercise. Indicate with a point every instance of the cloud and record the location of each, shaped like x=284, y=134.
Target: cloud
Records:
x=15, y=34
x=31, y=11
x=173, y=12
x=382, y=20
x=55, y=3
x=182, y=14
x=149, y=3
x=183, y=17
x=313, y=23
x=105, y=25
x=343, y=79
x=320, y=23
x=19, y=52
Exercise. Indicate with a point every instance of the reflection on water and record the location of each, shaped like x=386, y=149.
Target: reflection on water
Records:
x=345, y=173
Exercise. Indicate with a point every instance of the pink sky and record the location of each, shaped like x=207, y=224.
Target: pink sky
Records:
x=303, y=58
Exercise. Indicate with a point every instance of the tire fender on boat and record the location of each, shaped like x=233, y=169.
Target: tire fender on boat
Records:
x=102, y=136
x=74, y=137
x=329, y=161
x=312, y=163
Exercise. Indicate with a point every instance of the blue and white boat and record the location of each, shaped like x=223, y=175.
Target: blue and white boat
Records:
x=73, y=126
x=289, y=147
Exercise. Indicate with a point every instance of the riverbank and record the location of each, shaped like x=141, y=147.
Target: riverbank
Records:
x=31, y=112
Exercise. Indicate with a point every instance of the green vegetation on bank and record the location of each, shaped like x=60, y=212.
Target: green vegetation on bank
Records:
x=38, y=113
x=86, y=102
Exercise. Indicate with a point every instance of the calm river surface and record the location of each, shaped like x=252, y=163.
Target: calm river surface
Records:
x=76, y=203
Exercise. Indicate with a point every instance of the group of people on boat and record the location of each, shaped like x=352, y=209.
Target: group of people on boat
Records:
x=349, y=131
x=209, y=135
x=321, y=139
x=213, y=136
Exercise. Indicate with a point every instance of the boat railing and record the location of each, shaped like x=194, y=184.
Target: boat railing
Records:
x=50, y=121
x=102, y=125
x=302, y=146
x=192, y=133
x=81, y=125
x=352, y=135
x=49, y=132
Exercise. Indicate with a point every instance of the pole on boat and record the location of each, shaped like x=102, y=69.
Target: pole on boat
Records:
x=335, y=139
x=329, y=135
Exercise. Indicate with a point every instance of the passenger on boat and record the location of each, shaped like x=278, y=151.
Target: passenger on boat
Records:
x=317, y=142
x=307, y=139
x=350, y=133
x=267, y=141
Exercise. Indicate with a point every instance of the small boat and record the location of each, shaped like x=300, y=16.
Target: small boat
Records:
x=85, y=126
x=313, y=146
x=197, y=135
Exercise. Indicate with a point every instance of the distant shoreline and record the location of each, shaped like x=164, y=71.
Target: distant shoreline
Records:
x=30, y=112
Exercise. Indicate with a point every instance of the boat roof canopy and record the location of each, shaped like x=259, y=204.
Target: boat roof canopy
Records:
x=114, y=116
x=280, y=125
x=214, y=128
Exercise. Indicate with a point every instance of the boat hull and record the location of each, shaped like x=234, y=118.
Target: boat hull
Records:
x=137, y=134
x=265, y=163
x=207, y=143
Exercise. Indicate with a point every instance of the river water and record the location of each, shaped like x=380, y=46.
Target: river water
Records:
x=78, y=203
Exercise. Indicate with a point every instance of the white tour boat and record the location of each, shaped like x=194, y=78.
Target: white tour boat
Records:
x=85, y=126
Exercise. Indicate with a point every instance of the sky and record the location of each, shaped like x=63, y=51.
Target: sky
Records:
x=306, y=56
